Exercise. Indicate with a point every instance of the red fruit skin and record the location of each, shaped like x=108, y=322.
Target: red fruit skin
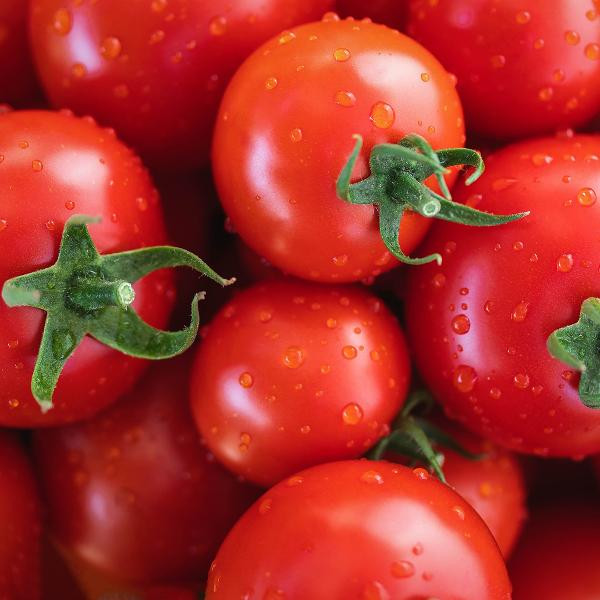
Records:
x=292, y=374
x=524, y=68
x=558, y=554
x=84, y=170
x=19, y=87
x=360, y=529
x=515, y=284
x=20, y=524
x=160, y=83
x=140, y=463
x=392, y=13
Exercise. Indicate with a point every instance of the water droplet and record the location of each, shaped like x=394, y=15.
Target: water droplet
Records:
x=265, y=506
x=459, y=512
x=572, y=38
x=540, y=159
x=461, y=324
x=341, y=54
x=3, y=224
x=352, y=414
x=330, y=16
x=521, y=381
x=402, y=568
x=63, y=343
x=157, y=36
x=502, y=183
x=264, y=316
x=519, y=312
x=274, y=594
x=296, y=134
x=325, y=369
x=23, y=145
x=586, y=196
x=518, y=246
x=79, y=70
x=438, y=280
x=421, y=473
x=293, y=357
x=464, y=378
x=538, y=44
x=592, y=51
x=142, y=203
x=345, y=98
x=495, y=393
x=417, y=549
x=498, y=61
x=217, y=26
x=271, y=83
x=37, y=165
x=523, y=17
x=564, y=263
x=13, y=403
x=50, y=225
x=305, y=429
x=485, y=489
x=246, y=380
x=158, y=5
x=110, y=48
x=294, y=481
x=61, y=21
x=374, y=354
x=372, y=477
x=425, y=77
x=331, y=323
x=245, y=439
x=382, y=115
x=349, y=352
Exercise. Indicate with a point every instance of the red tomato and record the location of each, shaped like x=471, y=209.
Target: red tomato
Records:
x=133, y=492
x=359, y=529
x=558, y=555
x=479, y=322
x=58, y=580
x=19, y=86
x=20, y=524
x=154, y=69
x=54, y=165
x=387, y=12
x=293, y=374
x=285, y=132
x=523, y=67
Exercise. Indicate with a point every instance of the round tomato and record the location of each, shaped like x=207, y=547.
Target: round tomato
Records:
x=359, y=529
x=480, y=322
x=285, y=130
x=54, y=165
x=388, y=12
x=20, y=524
x=154, y=69
x=19, y=85
x=523, y=67
x=558, y=554
x=293, y=374
x=133, y=492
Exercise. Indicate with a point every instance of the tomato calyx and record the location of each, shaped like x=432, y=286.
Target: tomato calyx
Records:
x=414, y=437
x=577, y=345
x=85, y=293
x=396, y=186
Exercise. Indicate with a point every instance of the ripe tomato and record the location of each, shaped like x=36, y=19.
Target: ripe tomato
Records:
x=558, y=554
x=359, y=529
x=154, y=69
x=19, y=86
x=20, y=524
x=285, y=132
x=105, y=508
x=53, y=165
x=387, y=12
x=523, y=67
x=293, y=374
x=479, y=323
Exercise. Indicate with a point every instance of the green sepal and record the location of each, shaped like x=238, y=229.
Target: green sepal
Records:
x=85, y=293
x=578, y=346
x=396, y=184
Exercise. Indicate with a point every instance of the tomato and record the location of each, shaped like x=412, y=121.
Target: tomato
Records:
x=523, y=67
x=557, y=556
x=285, y=130
x=479, y=323
x=20, y=524
x=154, y=69
x=292, y=374
x=19, y=86
x=55, y=165
x=388, y=12
x=105, y=508
x=359, y=529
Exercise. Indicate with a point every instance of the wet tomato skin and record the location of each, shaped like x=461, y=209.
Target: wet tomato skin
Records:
x=392, y=13
x=154, y=69
x=56, y=165
x=292, y=374
x=359, y=529
x=479, y=322
x=143, y=463
x=523, y=68
x=284, y=132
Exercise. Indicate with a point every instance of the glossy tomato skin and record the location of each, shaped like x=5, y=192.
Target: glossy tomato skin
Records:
x=133, y=492
x=387, y=12
x=523, y=67
x=55, y=165
x=285, y=131
x=558, y=554
x=154, y=69
x=359, y=529
x=20, y=524
x=479, y=323
x=19, y=85
x=292, y=374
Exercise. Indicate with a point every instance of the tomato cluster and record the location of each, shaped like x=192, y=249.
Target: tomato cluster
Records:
x=393, y=393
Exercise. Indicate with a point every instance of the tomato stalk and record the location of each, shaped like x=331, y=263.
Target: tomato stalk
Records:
x=85, y=293
x=396, y=186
